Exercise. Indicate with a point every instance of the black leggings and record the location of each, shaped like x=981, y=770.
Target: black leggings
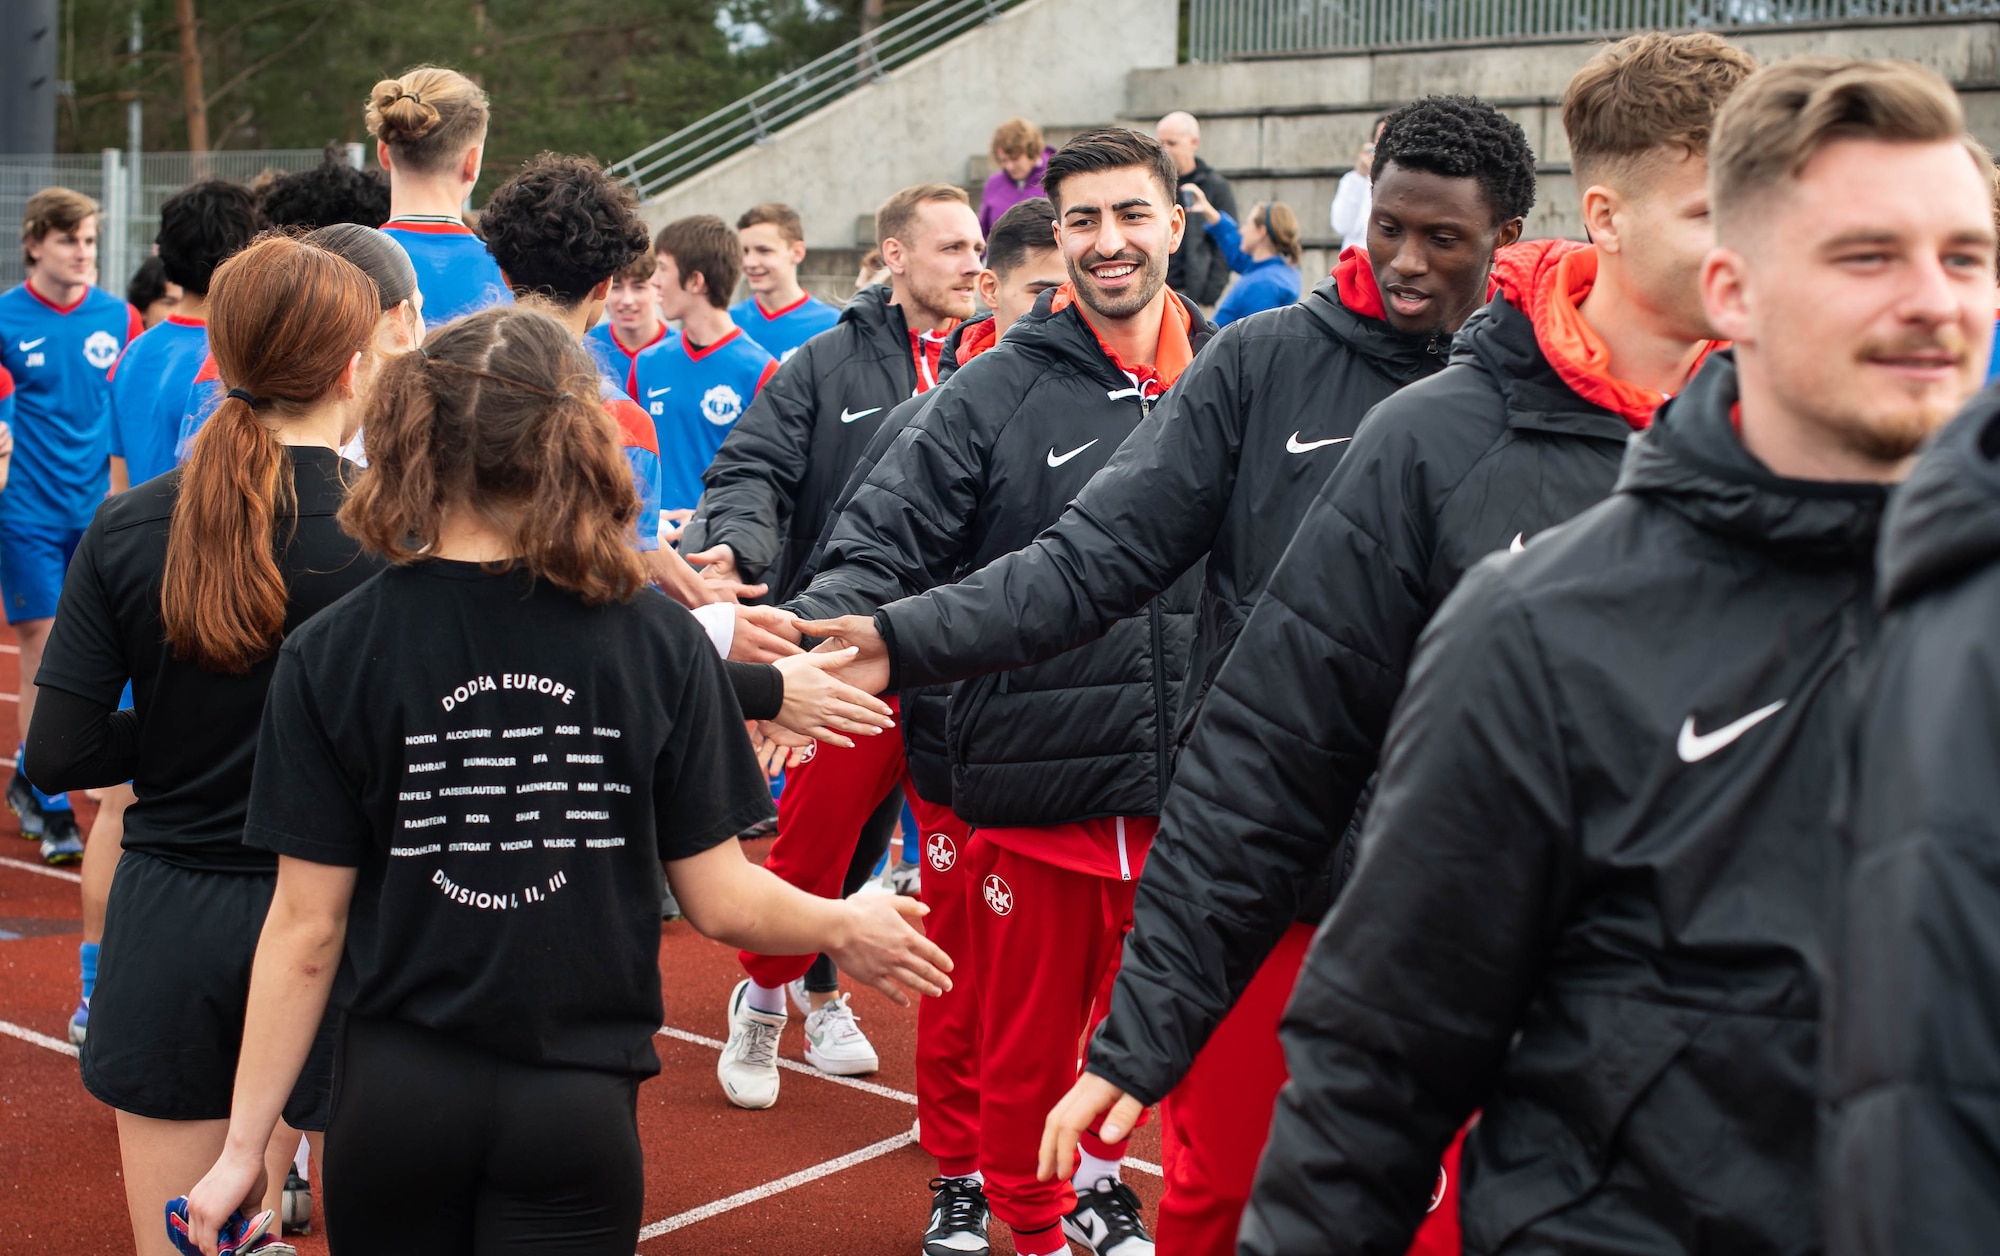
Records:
x=882, y=828
x=440, y=1149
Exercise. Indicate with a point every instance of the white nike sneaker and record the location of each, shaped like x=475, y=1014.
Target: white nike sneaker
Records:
x=1106, y=1221
x=835, y=1043
x=748, y=1066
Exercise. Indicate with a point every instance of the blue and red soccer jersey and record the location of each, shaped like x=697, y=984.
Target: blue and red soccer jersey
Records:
x=695, y=397
x=782, y=332
x=198, y=405
x=61, y=363
x=613, y=358
x=454, y=271
x=642, y=450
x=6, y=397
x=149, y=388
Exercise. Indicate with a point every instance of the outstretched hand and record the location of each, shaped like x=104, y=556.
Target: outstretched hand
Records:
x=869, y=667
x=818, y=704
x=717, y=562
x=764, y=634
x=1086, y=1101
x=885, y=949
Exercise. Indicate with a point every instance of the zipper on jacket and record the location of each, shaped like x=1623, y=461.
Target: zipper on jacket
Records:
x=1124, y=864
x=1433, y=347
x=1160, y=717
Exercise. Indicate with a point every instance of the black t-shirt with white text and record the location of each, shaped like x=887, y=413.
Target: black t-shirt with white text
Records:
x=507, y=768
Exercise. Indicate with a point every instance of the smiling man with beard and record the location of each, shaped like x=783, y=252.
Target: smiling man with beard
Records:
x=1589, y=896
x=1059, y=767
x=1239, y=447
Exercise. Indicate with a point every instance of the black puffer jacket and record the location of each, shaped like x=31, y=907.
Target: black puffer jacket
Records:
x=1911, y=1159
x=1590, y=891
x=1494, y=448
x=992, y=460
x=923, y=707
x=772, y=484
x=1239, y=448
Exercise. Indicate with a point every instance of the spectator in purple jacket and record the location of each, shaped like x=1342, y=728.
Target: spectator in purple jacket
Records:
x=1022, y=157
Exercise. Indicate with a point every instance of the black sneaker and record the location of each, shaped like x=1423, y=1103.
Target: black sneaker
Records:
x=959, y=1218
x=21, y=801
x=1106, y=1221
x=62, y=843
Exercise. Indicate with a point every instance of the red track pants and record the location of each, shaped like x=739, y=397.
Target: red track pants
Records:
x=826, y=801
x=1046, y=942
x=1213, y=1126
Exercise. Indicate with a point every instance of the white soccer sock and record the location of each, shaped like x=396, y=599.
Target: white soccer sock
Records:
x=1090, y=1170
x=974, y=1176
x=765, y=999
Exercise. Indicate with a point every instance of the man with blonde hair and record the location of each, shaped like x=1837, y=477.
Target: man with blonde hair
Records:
x=778, y=314
x=1587, y=899
x=769, y=492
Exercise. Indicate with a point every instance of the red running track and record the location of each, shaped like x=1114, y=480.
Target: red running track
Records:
x=831, y=1170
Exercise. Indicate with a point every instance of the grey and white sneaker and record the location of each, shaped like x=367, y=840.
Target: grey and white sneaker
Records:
x=959, y=1218
x=800, y=998
x=835, y=1043
x=748, y=1066
x=1106, y=1221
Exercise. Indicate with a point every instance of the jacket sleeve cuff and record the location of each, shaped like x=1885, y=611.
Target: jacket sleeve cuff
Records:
x=887, y=627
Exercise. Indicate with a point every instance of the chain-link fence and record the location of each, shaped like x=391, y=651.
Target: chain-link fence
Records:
x=131, y=193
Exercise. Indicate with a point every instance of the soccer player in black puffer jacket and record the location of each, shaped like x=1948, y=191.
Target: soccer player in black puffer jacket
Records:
x=1060, y=767
x=1240, y=446
x=1590, y=893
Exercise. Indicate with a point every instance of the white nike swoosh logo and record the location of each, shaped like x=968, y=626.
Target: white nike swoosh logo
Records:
x=1694, y=747
x=1516, y=545
x=1056, y=462
x=848, y=416
x=29, y=344
x=1297, y=446
x=654, y=392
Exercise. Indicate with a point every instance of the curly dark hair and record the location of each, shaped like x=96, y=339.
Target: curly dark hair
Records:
x=200, y=226
x=1460, y=137
x=330, y=193
x=561, y=227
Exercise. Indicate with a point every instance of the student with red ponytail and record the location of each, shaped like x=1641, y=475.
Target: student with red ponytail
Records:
x=187, y=584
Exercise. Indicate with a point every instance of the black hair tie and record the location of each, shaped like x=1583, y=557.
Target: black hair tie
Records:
x=245, y=396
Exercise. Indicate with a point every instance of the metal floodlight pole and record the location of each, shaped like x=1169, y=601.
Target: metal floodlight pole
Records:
x=27, y=76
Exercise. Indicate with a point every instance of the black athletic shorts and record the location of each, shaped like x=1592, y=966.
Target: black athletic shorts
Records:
x=173, y=979
x=437, y=1146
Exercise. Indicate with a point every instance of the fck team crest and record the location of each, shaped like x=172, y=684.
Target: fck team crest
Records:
x=940, y=852
x=999, y=895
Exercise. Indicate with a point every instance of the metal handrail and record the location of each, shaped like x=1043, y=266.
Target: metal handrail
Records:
x=1222, y=29
x=764, y=112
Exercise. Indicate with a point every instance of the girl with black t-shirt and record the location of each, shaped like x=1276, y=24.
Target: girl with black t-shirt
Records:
x=186, y=585
x=472, y=771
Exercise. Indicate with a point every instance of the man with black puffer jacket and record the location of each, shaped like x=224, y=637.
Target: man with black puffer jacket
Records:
x=1240, y=446
x=1909, y=1127
x=1059, y=768
x=1590, y=892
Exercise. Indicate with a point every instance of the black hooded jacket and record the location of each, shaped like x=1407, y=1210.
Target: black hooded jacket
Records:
x=993, y=458
x=1590, y=889
x=923, y=708
x=772, y=484
x=1228, y=464
x=1493, y=449
x=1911, y=1159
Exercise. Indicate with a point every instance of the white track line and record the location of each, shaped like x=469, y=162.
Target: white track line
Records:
x=900, y=1096
x=41, y=1040
x=10, y=649
x=44, y=870
x=788, y=1182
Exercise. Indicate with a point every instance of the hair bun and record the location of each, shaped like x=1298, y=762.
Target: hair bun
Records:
x=401, y=114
